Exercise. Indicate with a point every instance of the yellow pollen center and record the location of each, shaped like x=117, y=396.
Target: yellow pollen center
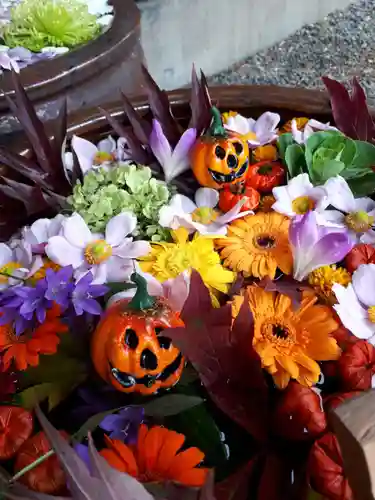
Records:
x=278, y=334
x=204, y=215
x=250, y=136
x=360, y=222
x=323, y=278
x=302, y=204
x=264, y=241
x=371, y=314
x=102, y=157
x=41, y=273
x=8, y=269
x=97, y=252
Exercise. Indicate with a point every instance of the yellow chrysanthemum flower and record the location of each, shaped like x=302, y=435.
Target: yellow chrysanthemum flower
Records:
x=301, y=123
x=168, y=260
x=323, y=278
x=265, y=153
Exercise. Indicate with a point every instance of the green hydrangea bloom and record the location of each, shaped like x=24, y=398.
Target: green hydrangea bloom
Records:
x=132, y=188
x=35, y=24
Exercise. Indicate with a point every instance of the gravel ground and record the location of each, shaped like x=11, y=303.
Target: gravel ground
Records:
x=340, y=46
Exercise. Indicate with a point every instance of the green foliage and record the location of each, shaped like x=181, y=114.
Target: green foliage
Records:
x=124, y=188
x=330, y=153
x=58, y=23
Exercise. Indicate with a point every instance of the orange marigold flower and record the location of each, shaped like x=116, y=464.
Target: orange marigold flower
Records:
x=263, y=153
x=290, y=342
x=25, y=349
x=156, y=457
x=257, y=245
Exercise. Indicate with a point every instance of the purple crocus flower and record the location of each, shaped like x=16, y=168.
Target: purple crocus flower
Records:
x=314, y=246
x=59, y=285
x=173, y=162
x=84, y=294
x=124, y=424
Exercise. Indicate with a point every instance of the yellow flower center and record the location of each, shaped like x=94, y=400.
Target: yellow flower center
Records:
x=41, y=273
x=204, y=215
x=278, y=333
x=97, y=252
x=102, y=157
x=360, y=222
x=371, y=314
x=175, y=261
x=8, y=269
x=264, y=241
x=228, y=114
x=250, y=136
x=302, y=204
x=323, y=278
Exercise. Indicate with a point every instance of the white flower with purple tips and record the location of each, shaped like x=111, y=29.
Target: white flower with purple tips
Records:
x=257, y=132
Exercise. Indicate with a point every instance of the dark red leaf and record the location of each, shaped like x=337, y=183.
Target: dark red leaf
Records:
x=30, y=196
x=25, y=167
x=141, y=127
x=326, y=471
x=32, y=126
x=236, y=486
x=137, y=152
x=200, y=103
x=54, y=200
x=77, y=174
x=334, y=400
x=58, y=129
x=350, y=112
x=298, y=414
x=224, y=357
x=360, y=254
x=364, y=124
x=357, y=366
x=161, y=109
x=286, y=286
x=276, y=480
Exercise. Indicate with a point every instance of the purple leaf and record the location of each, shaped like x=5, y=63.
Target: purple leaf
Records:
x=25, y=167
x=141, y=127
x=200, y=104
x=363, y=124
x=115, y=485
x=30, y=196
x=160, y=107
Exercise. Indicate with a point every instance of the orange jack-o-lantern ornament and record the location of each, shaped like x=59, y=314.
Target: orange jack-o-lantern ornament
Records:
x=128, y=347
x=220, y=157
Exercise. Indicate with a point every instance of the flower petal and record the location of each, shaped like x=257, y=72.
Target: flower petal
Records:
x=240, y=124
x=132, y=249
x=107, y=145
x=76, y=231
x=304, y=231
x=179, y=205
x=85, y=151
x=60, y=251
x=181, y=154
x=340, y=194
x=207, y=197
x=363, y=280
x=159, y=144
x=6, y=254
x=117, y=270
x=119, y=227
x=38, y=232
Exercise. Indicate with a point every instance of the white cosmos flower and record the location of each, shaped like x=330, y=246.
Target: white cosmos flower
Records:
x=312, y=126
x=356, y=303
x=17, y=262
x=91, y=156
x=357, y=215
x=109, y=257
x=41, y=231
x=256, y=132
x=200, y=216
x=299, y=196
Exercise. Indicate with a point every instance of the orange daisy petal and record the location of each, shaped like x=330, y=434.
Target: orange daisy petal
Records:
x=185, y=460
x=193, y=477
x=119, y=453
x=142, y=434
x=281, y=378
x=153, y=443
x=289, y=365
x=169, y=450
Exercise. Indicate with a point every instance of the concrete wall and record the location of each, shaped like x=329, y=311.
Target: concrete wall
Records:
x=214, y=34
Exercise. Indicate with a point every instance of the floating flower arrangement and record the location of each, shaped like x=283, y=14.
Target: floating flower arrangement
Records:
x=185, y=304
x=31, y=31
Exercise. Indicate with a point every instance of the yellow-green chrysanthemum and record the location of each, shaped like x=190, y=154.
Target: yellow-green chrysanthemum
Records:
x=323, y=278
x=168, y=260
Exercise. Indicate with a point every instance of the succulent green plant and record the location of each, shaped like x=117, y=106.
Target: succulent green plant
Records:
x=35, y=24
x=104, y=194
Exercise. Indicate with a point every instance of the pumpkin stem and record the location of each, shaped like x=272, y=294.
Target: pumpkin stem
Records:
x=142, y=299
x=217, y=129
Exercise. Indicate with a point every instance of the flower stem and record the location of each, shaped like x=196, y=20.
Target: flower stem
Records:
x=31, y=466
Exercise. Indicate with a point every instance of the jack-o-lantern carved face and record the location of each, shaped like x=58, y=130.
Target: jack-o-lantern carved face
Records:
x=130, y=351
x=221, y=157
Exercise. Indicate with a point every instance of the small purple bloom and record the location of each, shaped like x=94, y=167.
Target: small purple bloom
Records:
x=315, y=246
x=124, y=424
x=59, y=285
x=84, y=294
x=34, y=301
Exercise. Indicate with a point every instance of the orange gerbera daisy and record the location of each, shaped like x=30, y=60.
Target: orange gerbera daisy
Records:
x=290, y=342
x=156, y=457
x=257, y=245
x=25, y=349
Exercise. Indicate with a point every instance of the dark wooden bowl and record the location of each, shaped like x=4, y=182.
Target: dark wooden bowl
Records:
x=86, y=76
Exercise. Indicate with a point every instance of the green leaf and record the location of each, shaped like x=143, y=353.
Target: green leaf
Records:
x=295, y=160
x=322, y=171
x=365, y=155
x=171, y=404
x=364, y=185
x=315, y=141
x=283, y=142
